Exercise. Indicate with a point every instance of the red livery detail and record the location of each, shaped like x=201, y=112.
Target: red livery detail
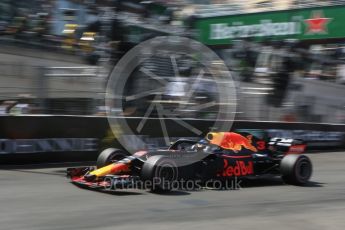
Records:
x=296, y=149
x=239, y=169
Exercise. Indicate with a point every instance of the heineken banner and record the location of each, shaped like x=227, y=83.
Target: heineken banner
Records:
x=301, y=24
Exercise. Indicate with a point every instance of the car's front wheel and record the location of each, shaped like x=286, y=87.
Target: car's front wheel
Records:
x=109, y=156
x=159, y=172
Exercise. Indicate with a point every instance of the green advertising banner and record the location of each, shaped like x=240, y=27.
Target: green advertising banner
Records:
x=301, y=24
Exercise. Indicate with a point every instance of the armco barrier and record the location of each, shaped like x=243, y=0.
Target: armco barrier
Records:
x=44, y=138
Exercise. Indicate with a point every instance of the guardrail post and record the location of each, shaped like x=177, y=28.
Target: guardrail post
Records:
x=42, y=87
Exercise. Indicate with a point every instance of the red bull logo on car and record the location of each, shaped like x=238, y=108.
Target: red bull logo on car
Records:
x=231, y=141
x=239, y=169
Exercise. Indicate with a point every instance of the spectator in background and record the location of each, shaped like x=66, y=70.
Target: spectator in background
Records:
x=6, y=106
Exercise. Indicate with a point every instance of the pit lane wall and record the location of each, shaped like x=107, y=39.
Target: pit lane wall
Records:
x=75, y=138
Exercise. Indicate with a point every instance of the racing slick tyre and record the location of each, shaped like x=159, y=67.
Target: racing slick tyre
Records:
x=161, y=172
x=109, y=156
x=296, y=169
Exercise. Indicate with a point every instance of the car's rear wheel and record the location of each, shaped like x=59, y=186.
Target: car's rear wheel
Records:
x=109, y=156
x=296, y=169
x=159, y=172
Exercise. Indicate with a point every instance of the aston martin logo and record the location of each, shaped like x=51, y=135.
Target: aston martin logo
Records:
x=317, y=23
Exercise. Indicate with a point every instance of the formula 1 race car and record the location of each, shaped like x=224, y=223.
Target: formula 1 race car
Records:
x=221, y=156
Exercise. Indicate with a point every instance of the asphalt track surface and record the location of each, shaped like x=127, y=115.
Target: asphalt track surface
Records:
x=38, y=197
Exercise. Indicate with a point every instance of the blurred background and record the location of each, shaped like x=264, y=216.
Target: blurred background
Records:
x=287, y=57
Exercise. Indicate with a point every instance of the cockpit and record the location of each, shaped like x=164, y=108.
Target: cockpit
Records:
x=203, y=146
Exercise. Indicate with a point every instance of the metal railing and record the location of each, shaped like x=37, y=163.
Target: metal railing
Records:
x=81, y=90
